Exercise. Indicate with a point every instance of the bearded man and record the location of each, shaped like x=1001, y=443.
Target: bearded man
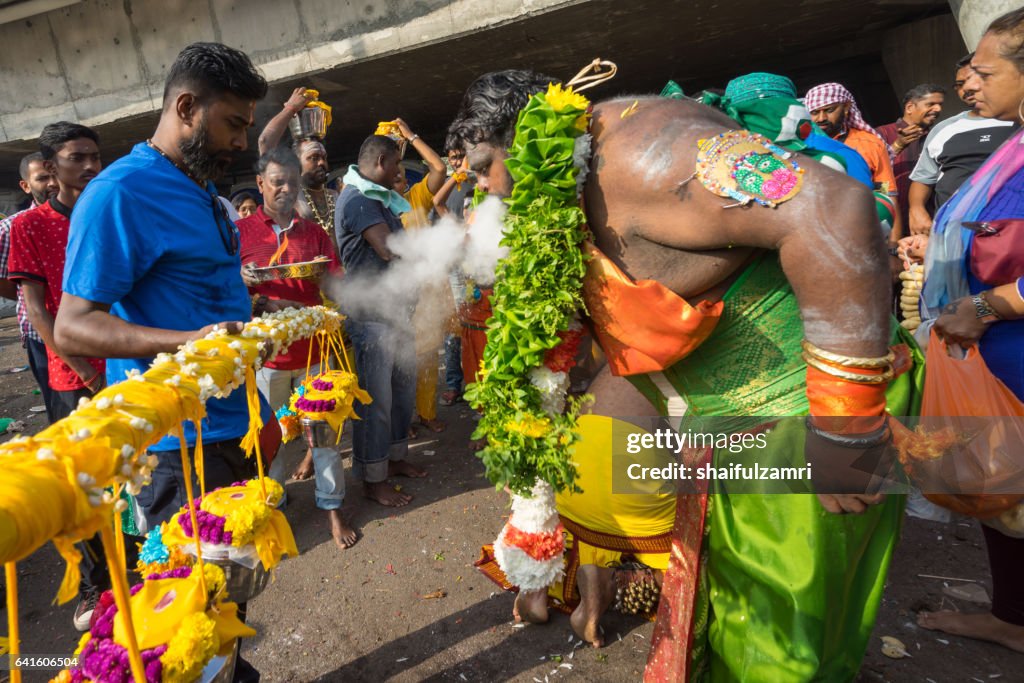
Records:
x=147, y=272
x=726, y=313
x=316, y=201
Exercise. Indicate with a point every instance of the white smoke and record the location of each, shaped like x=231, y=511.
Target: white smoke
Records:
x=419, y=276
x=483, y=250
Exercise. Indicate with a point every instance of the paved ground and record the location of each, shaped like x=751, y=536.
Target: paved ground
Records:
x=371, y=613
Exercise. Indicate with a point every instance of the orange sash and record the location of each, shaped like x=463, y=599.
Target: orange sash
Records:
x=642, y=326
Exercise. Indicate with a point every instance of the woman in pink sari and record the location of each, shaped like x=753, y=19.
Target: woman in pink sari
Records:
x=971, y=311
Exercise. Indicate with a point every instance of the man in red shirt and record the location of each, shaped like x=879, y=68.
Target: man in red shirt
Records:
x=276, y=230
x=39, y=238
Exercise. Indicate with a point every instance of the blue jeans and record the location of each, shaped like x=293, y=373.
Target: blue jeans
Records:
x=453, y=363
x=329, y=471
x=36, y=351
x=386, y=365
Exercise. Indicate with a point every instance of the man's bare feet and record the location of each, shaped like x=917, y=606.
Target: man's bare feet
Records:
x=531, y=606
x=344, y=535
x=437, y=426
x=385, y=494
x=404, y=468
x=984, y=626
x=305, y=469
x=597, y=590
x=477, y=444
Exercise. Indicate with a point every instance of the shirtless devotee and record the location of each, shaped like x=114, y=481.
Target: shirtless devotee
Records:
x=734, y=321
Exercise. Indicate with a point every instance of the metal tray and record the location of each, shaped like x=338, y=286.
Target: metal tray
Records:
x=305, y=270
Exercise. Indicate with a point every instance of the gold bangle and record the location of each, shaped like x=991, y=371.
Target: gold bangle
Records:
x=849, y=361
x=845, y=375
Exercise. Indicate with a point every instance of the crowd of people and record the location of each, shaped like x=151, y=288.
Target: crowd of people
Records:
x=107, y=275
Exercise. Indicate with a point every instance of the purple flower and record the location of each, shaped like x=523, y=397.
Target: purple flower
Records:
x=104, y=660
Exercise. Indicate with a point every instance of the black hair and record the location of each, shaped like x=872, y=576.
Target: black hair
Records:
x=56, y=135
x=280, y=155
x=964, y=61
x=492, y=102
x=919, y=92
x=240, y=199
x=1011, y=23
x=212, y=69
x=375, y=146
x=26, y=161
x=453, y=140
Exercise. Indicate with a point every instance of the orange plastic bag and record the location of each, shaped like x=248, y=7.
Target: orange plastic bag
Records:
x=967, y=452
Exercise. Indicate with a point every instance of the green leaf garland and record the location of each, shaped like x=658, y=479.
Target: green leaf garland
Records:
x=536, y=296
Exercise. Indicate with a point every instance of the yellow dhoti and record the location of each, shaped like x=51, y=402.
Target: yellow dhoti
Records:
x=605, y=528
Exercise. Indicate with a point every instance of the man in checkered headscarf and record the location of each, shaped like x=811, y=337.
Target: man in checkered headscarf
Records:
x=835, y=111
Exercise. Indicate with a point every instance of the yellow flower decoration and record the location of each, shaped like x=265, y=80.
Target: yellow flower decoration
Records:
x=389, y=129
x=529, y=426
x=193, y=645
x=562, y=99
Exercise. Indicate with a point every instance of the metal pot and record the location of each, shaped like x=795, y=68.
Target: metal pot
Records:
x=311, y=122
x=241, y=583
x=318, y=433
x=220, y=669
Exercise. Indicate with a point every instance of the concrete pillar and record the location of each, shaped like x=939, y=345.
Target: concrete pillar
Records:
x=974, y=16
x=924, y=51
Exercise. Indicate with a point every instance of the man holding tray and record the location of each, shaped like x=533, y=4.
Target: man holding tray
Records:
x=276, y=235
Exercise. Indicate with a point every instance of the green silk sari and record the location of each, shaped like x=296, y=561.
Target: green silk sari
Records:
x=786, y=591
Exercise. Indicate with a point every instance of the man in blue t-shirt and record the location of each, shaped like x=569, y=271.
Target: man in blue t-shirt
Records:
x=381, y=331
x=153, y=259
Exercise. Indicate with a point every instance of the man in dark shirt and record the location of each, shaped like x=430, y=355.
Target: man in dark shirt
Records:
x=379, y=320
x=922, y=105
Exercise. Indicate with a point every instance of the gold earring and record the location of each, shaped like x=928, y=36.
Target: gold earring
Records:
x=1020, y=110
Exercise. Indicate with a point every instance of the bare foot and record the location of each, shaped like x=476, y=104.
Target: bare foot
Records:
x=477, y=444
x=435, y=425
x=305, y=469
x=344, y=535
x=984, y=626
x=597, y=589
x=531, y=606
x=403, y=468
x=385, y=494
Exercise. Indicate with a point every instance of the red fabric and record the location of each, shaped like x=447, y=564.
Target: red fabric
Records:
x=39, y=239
x=668, y=660
x=473, y=317
x=306, y=241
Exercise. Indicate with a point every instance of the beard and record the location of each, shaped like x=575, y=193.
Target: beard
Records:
x=42, y=197
x=197, y=158
x=314, y=178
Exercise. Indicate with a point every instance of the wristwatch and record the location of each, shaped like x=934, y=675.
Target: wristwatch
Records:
x=893, y=250
x=983, y=309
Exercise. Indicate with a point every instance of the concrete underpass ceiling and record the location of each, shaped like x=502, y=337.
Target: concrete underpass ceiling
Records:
x=698, y=43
